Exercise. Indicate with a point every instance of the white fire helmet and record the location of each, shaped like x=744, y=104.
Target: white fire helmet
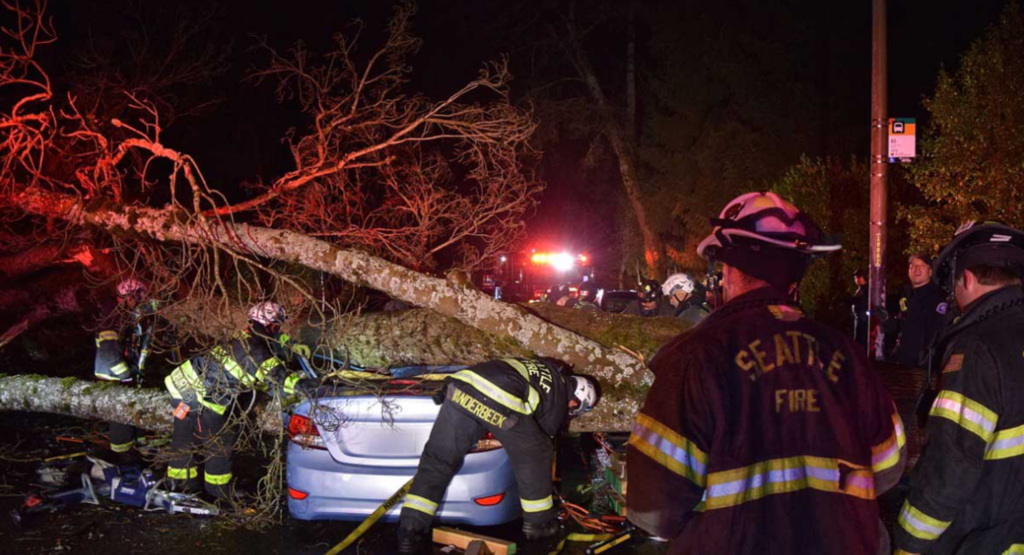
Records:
x=267, y=313
x=131, y=286
x=678, y=282
x=585, y=392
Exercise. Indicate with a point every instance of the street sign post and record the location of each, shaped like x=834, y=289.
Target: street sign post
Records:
x=902, y=140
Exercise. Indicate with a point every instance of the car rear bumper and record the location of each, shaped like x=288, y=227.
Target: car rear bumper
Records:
x=351, y=492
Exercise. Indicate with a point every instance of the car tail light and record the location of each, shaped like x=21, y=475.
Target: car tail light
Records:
x=302, y=431
x=298, y=495
x=490, y=500
x=486, y=443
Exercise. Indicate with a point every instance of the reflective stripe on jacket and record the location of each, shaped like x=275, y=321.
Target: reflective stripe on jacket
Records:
x=966, y=493
x=519, y=386
x=763, y=432
x=246, y=363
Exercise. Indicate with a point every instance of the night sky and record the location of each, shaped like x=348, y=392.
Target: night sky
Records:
x=238, y=138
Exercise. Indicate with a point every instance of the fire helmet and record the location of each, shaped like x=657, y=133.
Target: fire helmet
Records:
x=979, y=243
x=765, y=236
x=267, y=313
x=678, y=282
x=585, y=392
x=131, y=286
x=649, y=290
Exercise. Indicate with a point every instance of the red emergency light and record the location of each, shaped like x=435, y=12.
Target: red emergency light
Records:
x=561, y=261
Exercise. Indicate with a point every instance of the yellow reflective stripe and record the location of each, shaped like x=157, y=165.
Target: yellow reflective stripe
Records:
x=182, y=473
x=106, y=335
x=966, y=413
x=421, y=504
x=184, y=376
x=119, y=369
x=1005, y=444
x=887, y=454
x=231, y=365
x=901, y=552
x=533, y=398
x=537, y=505
x=1015, y=549
x=518, y=367
x=776, y=476
x=217, y=479
x=266, y=366
x=494, y=392
x=920, y=525
x=284, y=338
x=122, y=447
x=669, y=449
x=290, y=381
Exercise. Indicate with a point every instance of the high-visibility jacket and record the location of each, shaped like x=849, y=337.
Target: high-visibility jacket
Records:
x=967, y=491
x=766, y=433
x=215, y=380
x=122, y=334
x=518, y=387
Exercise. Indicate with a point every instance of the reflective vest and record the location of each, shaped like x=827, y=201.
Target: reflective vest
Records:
x=247, y=363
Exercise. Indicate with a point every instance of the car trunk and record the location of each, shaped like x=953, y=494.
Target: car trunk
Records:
x=351, y=428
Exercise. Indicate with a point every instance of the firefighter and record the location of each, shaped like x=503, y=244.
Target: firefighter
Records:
x=764, y=432
x=586, y=295
x=523, y=403
x=686, y=297
x=648, y=301
x=122, y=345
x=204, y=391
x=966, y=494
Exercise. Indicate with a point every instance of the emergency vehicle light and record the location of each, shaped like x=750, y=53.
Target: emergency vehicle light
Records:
x=561, y=261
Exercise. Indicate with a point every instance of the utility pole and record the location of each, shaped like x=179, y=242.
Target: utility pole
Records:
x=879, y=167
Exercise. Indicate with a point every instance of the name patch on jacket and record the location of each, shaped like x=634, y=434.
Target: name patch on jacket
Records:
x=474, y=407
x=790, y=348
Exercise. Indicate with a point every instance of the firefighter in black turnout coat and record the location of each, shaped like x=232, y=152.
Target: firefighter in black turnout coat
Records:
x=523, y=403
x=205, y=389
x=764, y=432
x=122, y=346
x=967, y=495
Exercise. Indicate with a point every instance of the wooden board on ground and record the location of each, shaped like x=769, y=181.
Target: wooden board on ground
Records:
x=462, y=539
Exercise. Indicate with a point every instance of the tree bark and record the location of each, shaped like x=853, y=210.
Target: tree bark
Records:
x=624, y=377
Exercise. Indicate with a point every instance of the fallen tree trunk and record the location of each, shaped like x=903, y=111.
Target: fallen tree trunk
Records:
x=149, y=409
x=422, y=336
x=624, y=376
x=382, y=339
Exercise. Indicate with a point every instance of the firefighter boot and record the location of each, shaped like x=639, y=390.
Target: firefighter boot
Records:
x=411, y=542
x=541, y=529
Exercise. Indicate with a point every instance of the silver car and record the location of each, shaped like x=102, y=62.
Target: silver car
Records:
x=356, y=451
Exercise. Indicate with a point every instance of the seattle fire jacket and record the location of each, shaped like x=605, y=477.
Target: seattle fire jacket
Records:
x=122, y=335
x=215, y=380
x=516, y=388
x=766, y=433
x=967, y=495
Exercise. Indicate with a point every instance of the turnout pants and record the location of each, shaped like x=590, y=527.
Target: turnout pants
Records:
x=202, y=437
x=455, y=432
